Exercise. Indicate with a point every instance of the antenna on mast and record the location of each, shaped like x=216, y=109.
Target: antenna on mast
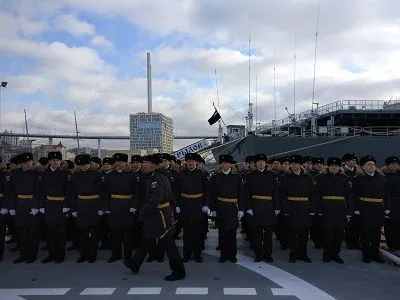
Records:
x=249, y=117
x=26, y=129
x=274, y=90
x=294, y=75
x=220, y=130
x=76, y=131
x=313, y=117
x=256, y=98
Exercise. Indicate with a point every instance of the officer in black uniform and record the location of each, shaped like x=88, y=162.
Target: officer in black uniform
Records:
x=56, y=202
x=262, y=207
x=139, y=199
x=88, y=202
x=105, y=232
x=24, y=204
x=192, y=199
x=156, y=215
x=227, y=202
x=334, y=202
x=3, y=212
x=296, y=197
x=370, y=203
x=120, y=184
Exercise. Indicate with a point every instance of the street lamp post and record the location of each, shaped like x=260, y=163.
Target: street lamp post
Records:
x=2, y=85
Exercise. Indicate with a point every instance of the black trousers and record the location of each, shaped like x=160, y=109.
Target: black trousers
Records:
x=192, y=239
x=333, y=238
x=155, y=250
x=262, y=241
x=57, y=237
x=392, y=235
x=104, y=233
x=298, y=237
x=227, y=243
x=3, y=224
x=119, y=237
x=28, y=240
x=352, y=232
x=282, y=230
x=73, y=232
x=370, y=242
x=167, y=244
x=89, y=241
x=317, y=231
x=137, y=231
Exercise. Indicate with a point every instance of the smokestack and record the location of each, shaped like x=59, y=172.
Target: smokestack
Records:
x=149, y=89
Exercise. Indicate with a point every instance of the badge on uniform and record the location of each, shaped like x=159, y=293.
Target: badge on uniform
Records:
x=103, y=178
x=154, y=185
x=7, y=178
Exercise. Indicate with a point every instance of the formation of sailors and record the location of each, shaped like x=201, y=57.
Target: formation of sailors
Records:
x=144, y=204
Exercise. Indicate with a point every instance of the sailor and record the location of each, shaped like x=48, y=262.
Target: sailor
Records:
x=307, y=163
x=275, y=164
x=3, y=212
x=139, y=199
x=24, y=204
x=317, y=228
x=87, y=208
x=250, y=166
x=285, y=164
x=370, y=204
x=56, y=202
x=296, y=199
x=352, y=231
x=262, y=207
x=392, y=219
x=156, y=215
x=227, y=202
x=95, y=163
x=282, y=224
x=334, y=202
x=192, y=204
x=120, y=185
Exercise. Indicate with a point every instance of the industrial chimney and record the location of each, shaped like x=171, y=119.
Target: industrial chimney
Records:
x=149, y=89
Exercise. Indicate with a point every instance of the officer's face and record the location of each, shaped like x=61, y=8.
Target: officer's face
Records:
x=107, y=167
x=318, y=167
x=308, y=165
x=393, y=166
x=84, y=167
x=147, y=167
x=286, y=166
x=369, y=167
x=136, y=166
x=225, y=166
x=95, y=166
x=191, y=164
x=27, y=165
x=334, y=169
x=55, y=163
x=120, y=165
x=351, y=163
x=261, y=164
x=276, y=165
x=295, y=167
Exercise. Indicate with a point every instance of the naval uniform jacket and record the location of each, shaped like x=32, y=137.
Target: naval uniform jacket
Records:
x=156, y=213
x=370, y=200
x=334, y=198
x=3, y=177
x=119, y=198
x=227, y=198
x=24, y=195
x=87, y=197
x=392, y=194
x=295, y=194
x=192, y=194
x=262, y=197
x=140, y=189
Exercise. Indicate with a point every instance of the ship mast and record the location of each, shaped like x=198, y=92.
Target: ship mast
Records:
x=27, y=131
x=313, y=113
x=76, y=131
x=249, y=117
x=220, y=129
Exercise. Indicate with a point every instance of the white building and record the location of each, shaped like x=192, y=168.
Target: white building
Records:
x=151, y=131
x=43, y=150
x=12, y=141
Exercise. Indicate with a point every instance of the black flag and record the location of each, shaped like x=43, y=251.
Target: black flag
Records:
x=4, y=84
x=214, y=118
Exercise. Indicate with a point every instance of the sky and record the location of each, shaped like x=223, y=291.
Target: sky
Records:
x=90, y=56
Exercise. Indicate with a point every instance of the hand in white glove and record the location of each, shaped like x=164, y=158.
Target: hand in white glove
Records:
x=214, y=213
x=34, y=211
x=3, y=211
x=387, y=212
x=320, y=215
x=240, y=214
x=205, y=209
x=100, y=212
x=65, y=210
x=357, y=212
x=250, y=212
x=107, y=212
x=74, y=214
x=178, y=210
x=12, y=212
x=41, y=210
x=312, y=214
x=348, y=217
x=277, y=211
x=132, y=210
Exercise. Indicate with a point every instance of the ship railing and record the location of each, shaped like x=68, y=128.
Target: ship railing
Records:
x=382, y=130
x=337, y=106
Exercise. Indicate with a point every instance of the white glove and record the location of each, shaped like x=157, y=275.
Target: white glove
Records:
x=178, y=210
x=320, y=215
x=312, y=214
x=12, y=212
x=277, y=211
x=348, y=217
x=240, y=214
x=387, y=212
x=205, y=209
x=132, y=210
x=357, y=212
x=250, y=212
x=65, y=210
x=41, y=210
x=34, y=211
x=214, y=213
x=3, y=211
x=75, y=214
x=107, y=212
x=100, y=212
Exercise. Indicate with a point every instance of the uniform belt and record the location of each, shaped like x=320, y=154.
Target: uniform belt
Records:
x=1, y=195
x=227, y=200
x=332, y=198
x=88, y=197
x=192, y=196
x=371, y=200
x=164, y=205
x=55, y=198
x=24, y=196
x=260, y=197
x=303, y=199
x=125, y=197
